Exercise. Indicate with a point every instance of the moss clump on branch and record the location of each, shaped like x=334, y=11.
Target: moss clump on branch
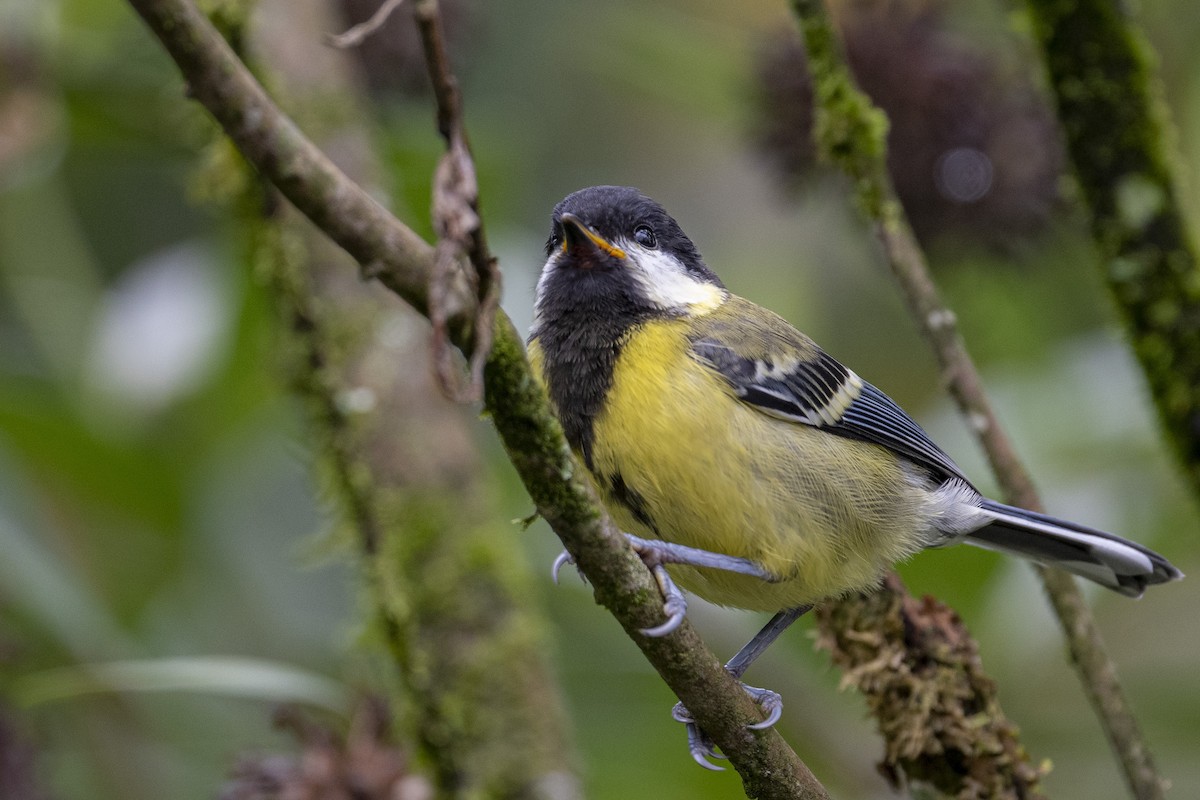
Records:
x=480, y=695
x=924, y=682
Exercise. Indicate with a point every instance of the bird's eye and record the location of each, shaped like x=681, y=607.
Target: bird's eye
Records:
x=644, y=236
x=555, y=240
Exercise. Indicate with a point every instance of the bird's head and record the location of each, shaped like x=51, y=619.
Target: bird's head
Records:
x=613, y=250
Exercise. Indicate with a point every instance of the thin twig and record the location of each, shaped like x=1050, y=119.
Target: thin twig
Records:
x=854, y=140
x=517, y=406
x=358, y=34
x=455, y=215
x=428, y=17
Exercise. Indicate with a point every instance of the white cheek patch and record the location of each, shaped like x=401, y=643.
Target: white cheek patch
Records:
x=666, y=282
x=548, y=270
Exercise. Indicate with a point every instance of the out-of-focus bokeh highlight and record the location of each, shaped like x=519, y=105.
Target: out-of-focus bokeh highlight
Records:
x=167, y=576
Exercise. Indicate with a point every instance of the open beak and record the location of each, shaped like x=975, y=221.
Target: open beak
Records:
x=578, y=236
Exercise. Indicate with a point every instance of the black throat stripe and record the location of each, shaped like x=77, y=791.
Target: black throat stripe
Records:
x=578, y=361
x=585, y=320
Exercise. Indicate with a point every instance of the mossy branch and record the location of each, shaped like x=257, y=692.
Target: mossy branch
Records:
x=1109, y=102
x=403, y=262
x=850, y=133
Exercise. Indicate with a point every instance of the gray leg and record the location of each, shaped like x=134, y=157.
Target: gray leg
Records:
x=657, y=553
x=754, y=648
x=654, y=551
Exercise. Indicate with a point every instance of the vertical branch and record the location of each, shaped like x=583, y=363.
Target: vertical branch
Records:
x=450, y=125
x=1109, y=102
x=851, y=133
x=891, y=647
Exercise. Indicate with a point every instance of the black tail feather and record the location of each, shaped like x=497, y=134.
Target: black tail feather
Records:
x=1118, y=564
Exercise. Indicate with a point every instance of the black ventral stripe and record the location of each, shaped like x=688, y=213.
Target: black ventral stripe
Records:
x=632, y=500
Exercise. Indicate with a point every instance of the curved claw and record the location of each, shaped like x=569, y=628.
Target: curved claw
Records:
x=563, y=558
x=773, y=716
x=667, y=627
x=699, y=758
x=674, y=603
x=770, y=702
x=700, y=746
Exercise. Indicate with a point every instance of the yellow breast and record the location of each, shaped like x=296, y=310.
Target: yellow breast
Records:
x=678, y=457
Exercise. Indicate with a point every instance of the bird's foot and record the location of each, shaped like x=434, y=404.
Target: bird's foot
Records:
x=656, y=554
x=701, y=747
x=674, y=603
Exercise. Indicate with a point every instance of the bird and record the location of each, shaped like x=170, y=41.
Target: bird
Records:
x=743, y=462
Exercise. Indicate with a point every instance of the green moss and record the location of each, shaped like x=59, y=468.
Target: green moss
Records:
x=444, y=588
x=1138, y=200
x=937, y=711
x=532, y=435
x=1110, y=103
x=467, y=657
x=849, y=132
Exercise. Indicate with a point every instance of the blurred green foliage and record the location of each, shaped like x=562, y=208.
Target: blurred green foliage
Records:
x=156, y=500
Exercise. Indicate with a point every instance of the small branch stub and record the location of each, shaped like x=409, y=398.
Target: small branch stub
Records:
x=359, y=33
x=456, y=220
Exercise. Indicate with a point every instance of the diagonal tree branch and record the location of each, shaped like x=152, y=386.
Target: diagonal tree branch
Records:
x=403, y=262
x=851, y=132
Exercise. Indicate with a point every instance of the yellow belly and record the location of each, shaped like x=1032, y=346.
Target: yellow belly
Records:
x=712, y=472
